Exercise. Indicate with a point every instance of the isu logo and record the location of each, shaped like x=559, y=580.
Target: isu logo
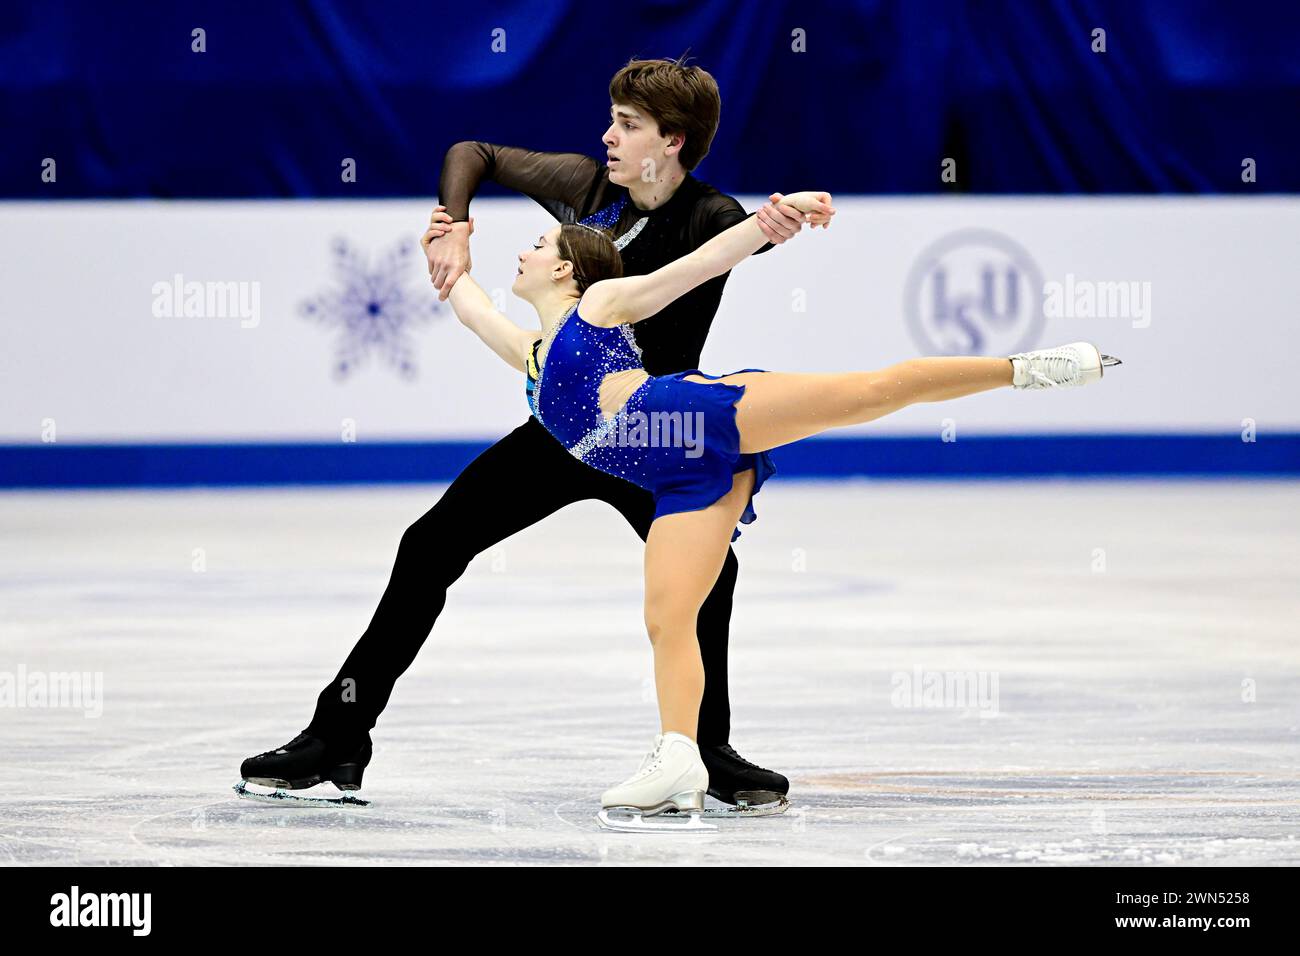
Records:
x=974, y=292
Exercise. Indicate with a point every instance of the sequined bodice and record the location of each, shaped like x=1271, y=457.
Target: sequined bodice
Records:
x=565, y=375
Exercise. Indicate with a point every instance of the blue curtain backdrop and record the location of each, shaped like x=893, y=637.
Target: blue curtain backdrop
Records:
x=1013, y=91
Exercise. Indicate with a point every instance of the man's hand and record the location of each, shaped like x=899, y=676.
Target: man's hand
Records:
x=778, y=222
x=446, y=247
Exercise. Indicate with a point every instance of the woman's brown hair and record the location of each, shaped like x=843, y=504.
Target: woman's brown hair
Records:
x=592, y=252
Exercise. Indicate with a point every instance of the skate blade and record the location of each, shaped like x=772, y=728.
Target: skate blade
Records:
x=632, y=820
x=282, y=796
x=750, y=803
x=1108, y=360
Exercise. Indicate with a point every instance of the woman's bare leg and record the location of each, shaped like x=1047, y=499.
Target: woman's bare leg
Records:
x=684, y=553
x=780, y=407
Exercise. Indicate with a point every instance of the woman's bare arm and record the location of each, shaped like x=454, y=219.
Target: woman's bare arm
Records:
x=474, y=309
x=633, y=298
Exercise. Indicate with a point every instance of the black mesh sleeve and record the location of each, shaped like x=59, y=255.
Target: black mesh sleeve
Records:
x=567, y=185
x=719, y=214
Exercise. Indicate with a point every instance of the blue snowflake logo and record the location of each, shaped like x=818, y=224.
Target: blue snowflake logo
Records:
x=372, y=308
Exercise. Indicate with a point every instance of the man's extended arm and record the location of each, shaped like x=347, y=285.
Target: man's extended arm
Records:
x=570, y=186
x=567, y=185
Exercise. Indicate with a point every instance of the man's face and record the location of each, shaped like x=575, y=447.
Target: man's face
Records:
x=635, y=147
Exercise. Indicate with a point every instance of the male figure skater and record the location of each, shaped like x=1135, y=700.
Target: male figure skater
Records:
x=664, y=115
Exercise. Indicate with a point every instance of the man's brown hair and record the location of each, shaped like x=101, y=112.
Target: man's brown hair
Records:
x=679, y=98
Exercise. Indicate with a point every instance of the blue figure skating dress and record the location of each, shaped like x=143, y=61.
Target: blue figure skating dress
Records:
x=677, y=439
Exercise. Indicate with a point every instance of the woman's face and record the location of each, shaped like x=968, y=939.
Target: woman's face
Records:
x=634, y=146
x=540, y=265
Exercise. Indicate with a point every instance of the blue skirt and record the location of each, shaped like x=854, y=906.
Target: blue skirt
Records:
x=695, y=468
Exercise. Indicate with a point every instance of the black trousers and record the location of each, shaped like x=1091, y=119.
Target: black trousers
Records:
x=524, y=477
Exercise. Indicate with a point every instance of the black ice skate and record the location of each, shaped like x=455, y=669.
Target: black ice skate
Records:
x=749, y=789
x=304, y=762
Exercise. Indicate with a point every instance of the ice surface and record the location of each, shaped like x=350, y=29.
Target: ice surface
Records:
x=1143, y=636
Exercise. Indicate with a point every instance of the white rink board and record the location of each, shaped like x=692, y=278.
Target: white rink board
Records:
x=84, y=349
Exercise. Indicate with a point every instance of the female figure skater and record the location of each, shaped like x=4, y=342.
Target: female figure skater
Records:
x=587, y=386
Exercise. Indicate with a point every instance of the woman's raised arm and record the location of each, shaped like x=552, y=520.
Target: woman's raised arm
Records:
x=474, y=309
x=633, y=298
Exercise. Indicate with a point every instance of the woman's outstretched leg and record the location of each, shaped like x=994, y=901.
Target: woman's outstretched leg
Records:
x=683, y=554
x=781, y=407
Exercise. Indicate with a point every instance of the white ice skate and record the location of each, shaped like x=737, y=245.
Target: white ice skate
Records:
x=665, y=795
x=1079, y=363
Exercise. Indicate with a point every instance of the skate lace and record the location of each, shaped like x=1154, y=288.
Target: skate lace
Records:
x=1061, y=368
x=283, y=748
x=650, y=762
x=726, y=749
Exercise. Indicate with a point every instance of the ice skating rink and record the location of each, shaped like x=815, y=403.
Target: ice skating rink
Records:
x=1136, y=643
